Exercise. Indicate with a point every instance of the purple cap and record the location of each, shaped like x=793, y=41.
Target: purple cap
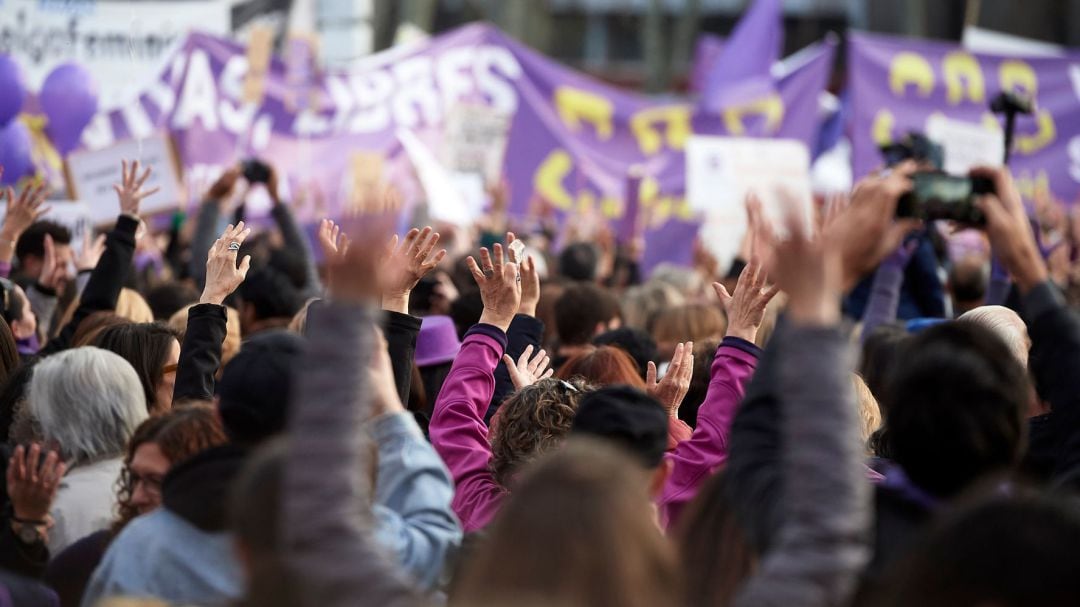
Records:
x=438, y=342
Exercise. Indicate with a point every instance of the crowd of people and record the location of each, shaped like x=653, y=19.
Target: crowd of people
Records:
x=865, y=411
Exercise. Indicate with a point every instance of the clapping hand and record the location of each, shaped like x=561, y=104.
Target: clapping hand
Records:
x=32, y=483
x=530, y=278
x=406, y=263
x=500, y=286
x=528, y=369
x=129, y=191
x=672, y=389
x=223, y=276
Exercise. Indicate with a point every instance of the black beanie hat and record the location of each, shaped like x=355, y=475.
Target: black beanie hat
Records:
x=256, y=385
x=628, y=416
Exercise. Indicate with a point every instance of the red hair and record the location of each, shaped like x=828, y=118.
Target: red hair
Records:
x=604, y=366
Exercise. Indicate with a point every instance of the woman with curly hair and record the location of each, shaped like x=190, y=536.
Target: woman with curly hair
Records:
x=157, y=444
x=531, y=422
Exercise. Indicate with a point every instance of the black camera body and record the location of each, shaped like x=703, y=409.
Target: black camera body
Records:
x=936, y=195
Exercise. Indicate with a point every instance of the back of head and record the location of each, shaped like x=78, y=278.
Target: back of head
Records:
x=955, y=407
x=580, y=310
x=1006, y=324
x=879, y=354
x=579, y=261
x=32, y=242
x=690, y=322
x=255, y=519
x=578, y=530
x=9, y=352
x=1005, y=550
x=635, y=342
x=133, y=307
x=271, y=295
x=255, y=386
x=968, y=281
x=869, y=411
x=88, y=401
x=146, y=346
x=628, y=418
x=466, y=310
x=686, y=281
x=603, y=366
x=717, y=557
x=168, y=298
x=531, y=422
x=229, y=347
x=91, y=327
x=642, y=303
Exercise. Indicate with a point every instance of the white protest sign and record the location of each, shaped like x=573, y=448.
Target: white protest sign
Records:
x=722, y=171
x=91, y=176
x=966, y=144
x=71, y=214
x=475, y=140
x=450, y=196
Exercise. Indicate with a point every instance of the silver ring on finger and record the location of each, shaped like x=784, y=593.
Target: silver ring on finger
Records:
x=234, y=246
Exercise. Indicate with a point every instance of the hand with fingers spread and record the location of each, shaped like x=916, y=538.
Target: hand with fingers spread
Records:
x=32, y=483
x=1009, y=229
x=866, y=230
x=130, y=191
x=406, y=263
x=22, y=212
x=90, y=252
x=222, y=274
x=745, y=308
x=500, y=286
x=333, y=241
x=528, y=369
x=530, y=278
x=672, y=389
x=53, y=275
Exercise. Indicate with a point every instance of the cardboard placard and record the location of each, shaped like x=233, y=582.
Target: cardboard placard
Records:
x=965, y=144
x=475, y=140
x=90, y=176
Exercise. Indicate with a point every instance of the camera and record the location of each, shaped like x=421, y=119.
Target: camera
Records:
x=917, y=147
x=256, y=171
x=936, y=195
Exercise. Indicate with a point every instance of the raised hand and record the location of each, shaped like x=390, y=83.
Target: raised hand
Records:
x=406, y=263
x=672, y=389
x=866, y=230
x=1009, y=229
x=32, y=483
x=129, y=191
x=333, y=241
x=528, y=369
x=745, y=307
x=500, y=286
x=91, y=251
x=222, y=274
x=23, y=211
x=811, y=270
x=224, y=186
x=530, y=278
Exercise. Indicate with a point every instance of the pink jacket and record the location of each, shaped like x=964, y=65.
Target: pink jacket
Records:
x=458, y=431
x=695, y=459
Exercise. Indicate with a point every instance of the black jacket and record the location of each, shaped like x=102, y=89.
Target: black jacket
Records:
x=200, y=354
x=524, y=331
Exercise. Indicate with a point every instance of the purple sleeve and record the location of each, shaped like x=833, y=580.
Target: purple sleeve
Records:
x=694, y=460
x=884, y=297
x=5, y=269
x=458, y=431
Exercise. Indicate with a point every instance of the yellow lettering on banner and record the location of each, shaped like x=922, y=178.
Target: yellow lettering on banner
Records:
x=771, y=107
x=683, y=210
x=963, y=78
x=586, y=202
x=576, y=106
x=1029, y=144
x=1016, y=75
x=611, y=207
x=549, y=177
x=910, y=68
x=882, y=128
x=1032, y=187
x=645, y=125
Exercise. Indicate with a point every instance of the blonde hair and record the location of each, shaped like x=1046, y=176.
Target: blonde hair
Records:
x=696, y=322
x=229, y=348
x=132, y=306
x=641, y=304
x=869, y=411
x=1007, y=325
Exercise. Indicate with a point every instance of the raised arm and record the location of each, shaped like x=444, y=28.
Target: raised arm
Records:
x=1054, y=329
x=457, y=427
x=327, y=518
x=206, y=221
x=294, y=237
x=107, y=279
x=823, y=539
x=695, y=459
x=22, y=212
x=884, y=301
x=525, y=331
x=200, y=354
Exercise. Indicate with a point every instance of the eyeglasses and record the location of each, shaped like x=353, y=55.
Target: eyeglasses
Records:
x=152, y=484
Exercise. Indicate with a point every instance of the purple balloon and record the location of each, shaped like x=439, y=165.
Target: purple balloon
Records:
x=69, y=98
x=14, y=90
x=15, y=152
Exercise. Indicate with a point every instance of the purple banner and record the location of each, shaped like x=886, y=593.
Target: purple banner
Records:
x=572, y=139
x=897, y=84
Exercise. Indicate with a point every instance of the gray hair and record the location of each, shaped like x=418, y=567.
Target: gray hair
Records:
x=1006, y=324
x=87, y=401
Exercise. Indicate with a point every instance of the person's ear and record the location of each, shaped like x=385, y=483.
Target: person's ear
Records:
x=21, y=329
